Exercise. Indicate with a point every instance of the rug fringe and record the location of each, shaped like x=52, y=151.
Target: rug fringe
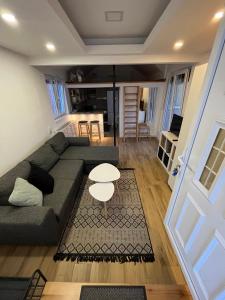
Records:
x=136, y=258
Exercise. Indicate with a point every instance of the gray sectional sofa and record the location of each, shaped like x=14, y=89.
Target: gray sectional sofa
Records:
x=67, y=160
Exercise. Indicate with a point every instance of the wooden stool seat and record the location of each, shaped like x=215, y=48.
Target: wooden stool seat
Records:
x=83, y=124
x=92, y=133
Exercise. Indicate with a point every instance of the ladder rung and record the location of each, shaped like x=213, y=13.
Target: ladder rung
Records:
x=130, y=100
x=131, y=93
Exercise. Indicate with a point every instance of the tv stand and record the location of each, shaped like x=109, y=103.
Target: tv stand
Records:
x=167, y=148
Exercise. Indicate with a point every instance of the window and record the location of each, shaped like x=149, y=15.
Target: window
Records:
x=174, y=97
x=214, y=161
x=57, y=94
x=168, y=103
x=179, y=94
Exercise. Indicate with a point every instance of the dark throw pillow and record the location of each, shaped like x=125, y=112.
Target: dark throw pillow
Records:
x=41, y=179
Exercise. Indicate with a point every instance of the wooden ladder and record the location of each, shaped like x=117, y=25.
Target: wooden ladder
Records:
x=132, y=95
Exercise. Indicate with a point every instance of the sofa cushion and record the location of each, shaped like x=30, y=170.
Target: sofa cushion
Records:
x=25, y=194
x=67, y=169
x=41, y=179
x=45, y=157
x=59, y=199
x=59, y=143
x=65, y=189
x=78, y=141
x=92, y=155
x=7, y=181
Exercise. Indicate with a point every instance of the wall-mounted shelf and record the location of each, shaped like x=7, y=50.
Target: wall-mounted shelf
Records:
x=166, y=150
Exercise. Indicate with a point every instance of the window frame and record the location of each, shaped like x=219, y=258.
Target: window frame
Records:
x=174, y=75
x=205, y=155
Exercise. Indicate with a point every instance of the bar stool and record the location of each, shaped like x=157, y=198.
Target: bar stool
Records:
x=83, y=125
x=95, y=125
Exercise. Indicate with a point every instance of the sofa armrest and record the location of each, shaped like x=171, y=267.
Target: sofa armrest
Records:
x=34, y=225
x=78, y=141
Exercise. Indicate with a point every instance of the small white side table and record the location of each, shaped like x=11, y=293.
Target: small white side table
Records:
x=102, y=192
x=105, y=173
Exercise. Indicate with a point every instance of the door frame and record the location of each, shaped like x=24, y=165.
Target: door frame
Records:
x=208, y=81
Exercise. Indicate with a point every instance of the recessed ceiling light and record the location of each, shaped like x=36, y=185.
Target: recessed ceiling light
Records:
x=9, y=18
x=178, y=45
x=219, y=15
x=50, y=47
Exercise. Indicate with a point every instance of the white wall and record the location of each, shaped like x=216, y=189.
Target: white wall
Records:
x=26, y=118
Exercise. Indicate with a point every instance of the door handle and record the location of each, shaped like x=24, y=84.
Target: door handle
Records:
x=176, y=170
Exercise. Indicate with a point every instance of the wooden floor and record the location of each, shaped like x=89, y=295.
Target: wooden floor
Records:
x=71, y=291
x=155, y=194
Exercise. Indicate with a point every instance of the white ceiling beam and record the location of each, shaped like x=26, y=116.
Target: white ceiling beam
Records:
x=113, y=59
x=114, y=49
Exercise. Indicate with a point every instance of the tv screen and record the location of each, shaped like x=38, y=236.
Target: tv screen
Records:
x=176, y=124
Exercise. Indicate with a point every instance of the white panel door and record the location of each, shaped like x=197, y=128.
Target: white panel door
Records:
x=196, y=216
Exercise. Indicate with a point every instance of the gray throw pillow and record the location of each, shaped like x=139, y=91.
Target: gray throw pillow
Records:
x=44, y=157
x=7, y=181
x=25, y=194
x=59, y=143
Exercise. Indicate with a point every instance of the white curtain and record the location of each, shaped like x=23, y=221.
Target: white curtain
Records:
x=151, y=105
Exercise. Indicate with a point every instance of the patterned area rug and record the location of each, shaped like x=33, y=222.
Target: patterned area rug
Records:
x=113, y=293
x=121, y=236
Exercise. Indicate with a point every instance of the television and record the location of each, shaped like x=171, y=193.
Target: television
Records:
x=176, y=124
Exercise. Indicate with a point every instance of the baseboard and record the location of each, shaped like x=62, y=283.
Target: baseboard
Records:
x=182, y=265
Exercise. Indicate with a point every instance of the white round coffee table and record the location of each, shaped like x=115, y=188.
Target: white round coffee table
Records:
x=102, y=192
x=105, y=173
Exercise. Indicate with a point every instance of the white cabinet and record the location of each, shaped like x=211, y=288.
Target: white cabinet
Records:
x=166, y=149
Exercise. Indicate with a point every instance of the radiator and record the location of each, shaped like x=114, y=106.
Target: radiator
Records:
x=69, y=129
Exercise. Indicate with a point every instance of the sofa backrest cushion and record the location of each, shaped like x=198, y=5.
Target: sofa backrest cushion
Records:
x=58, y=142
x=45, y=157
x=7, y=181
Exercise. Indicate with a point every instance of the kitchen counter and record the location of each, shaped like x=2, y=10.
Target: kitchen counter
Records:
x=88, y=116
x=87, y=112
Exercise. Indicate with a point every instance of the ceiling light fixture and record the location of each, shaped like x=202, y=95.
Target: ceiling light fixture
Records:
x=178, y=45
x=114, y=16
x=50, y=47
x=9, y=18
x=219, y=15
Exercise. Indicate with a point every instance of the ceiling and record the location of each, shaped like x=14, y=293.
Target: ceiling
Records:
x=151, y=29
x=138, y=20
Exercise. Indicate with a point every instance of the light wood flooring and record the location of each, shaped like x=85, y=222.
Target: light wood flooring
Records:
x=71, y=291
x=155, y=194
